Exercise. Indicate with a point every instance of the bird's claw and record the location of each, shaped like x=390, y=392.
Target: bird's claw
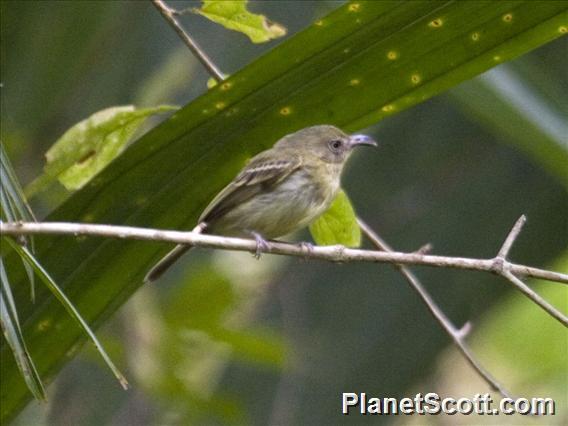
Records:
x=261, y=245
x=309, y=247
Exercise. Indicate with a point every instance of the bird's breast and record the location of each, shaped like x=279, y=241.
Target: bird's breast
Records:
x=285, y=207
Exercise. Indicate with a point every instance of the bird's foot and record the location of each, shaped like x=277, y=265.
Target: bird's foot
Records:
x=261, y=244
x=309, y=247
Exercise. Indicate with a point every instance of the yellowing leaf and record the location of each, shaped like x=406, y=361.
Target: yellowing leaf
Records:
x=233, y=14
x=338, y=225
x=87, y=147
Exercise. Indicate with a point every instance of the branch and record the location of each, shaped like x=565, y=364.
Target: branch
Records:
x=502, y=267
x=169, y=15
x=457, y=335
x=499, y=265
x=513, y=234
x=335, y=253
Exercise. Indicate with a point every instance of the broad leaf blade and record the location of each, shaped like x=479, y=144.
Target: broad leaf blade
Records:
x=87, y=147
x=338, y=225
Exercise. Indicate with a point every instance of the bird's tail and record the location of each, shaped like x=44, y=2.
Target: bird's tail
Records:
x=169, y=259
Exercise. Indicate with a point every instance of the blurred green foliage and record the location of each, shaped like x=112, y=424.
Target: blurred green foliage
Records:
x=443, y=176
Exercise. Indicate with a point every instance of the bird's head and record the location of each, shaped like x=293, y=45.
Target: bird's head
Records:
x=326, y=142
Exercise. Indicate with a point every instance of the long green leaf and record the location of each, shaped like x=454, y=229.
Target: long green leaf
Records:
x=13, y=334
x=363, y=62
x=14, y=206
x=69, y=307
x=13, y=189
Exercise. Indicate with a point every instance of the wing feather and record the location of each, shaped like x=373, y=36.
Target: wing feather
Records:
x=259, y=175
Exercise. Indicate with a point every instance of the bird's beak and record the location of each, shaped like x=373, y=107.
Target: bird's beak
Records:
x=356, y=140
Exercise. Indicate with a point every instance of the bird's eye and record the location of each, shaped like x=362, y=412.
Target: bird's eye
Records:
x=335, y=145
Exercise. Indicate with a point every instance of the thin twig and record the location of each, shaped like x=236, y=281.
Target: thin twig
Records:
x=182, y=12
x=513, y=234
x=527, y=291
x=330, y=253
x=169, y=14
x=502, y=268
x=457, y=335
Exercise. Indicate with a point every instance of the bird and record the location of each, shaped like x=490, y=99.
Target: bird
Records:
x=279, y=191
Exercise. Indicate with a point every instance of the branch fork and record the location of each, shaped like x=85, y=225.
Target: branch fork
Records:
x=501, y=266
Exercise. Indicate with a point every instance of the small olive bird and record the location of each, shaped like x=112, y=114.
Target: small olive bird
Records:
x=279, y=191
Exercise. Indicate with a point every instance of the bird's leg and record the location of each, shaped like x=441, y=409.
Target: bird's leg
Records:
x=309, y=247
x=261, y=244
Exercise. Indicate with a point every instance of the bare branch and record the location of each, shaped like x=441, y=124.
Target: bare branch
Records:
x=425, y=249
x=531, y=294
x=465, y=330
x=169, y=14
x=457, y=335
x=503, y=267
x=530, y=272
x=329, y=253
x=506, y=247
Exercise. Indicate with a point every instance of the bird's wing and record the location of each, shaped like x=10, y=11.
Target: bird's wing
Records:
x=259, y=175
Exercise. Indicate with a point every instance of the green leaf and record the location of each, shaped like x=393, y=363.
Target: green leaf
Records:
x=87, y=147
x=338, y=225
x=211, y=83
x=69, y=307
x=233, y=14
x=14, y=207
x=15, y=339
x=17, y=206
x=350, y=69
